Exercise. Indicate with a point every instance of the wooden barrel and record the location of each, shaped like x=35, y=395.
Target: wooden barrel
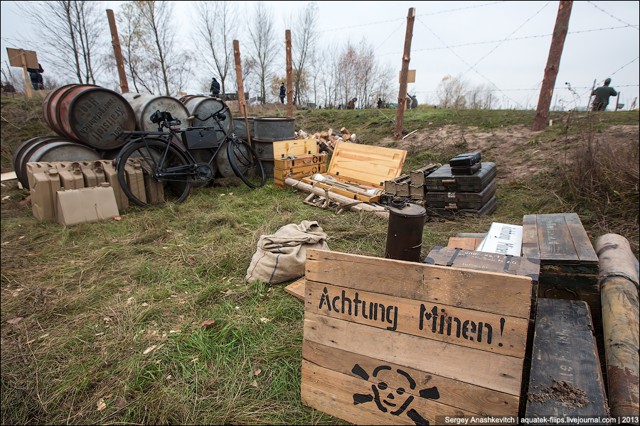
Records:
x=144, y=105
x=47, y=149
x=90, y=114
x=204, y=106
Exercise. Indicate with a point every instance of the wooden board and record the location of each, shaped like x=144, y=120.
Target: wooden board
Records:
x=343, y=190
x=481, y=261
x=299, y=161
x=366, y=164
x=559, y=238
x=296, y=289
x=379, y=332
x=294, y=148
x=15, y=58
x=565, y=376
x=464, y=243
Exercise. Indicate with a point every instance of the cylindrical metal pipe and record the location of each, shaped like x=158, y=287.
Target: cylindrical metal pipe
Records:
x=404, y=234
x=619, y=296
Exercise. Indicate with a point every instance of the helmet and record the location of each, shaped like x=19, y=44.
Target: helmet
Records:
x=607, y=81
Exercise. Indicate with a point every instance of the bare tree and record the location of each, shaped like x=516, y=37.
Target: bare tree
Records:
x=71, y=35
x=451, y=92
x=264, y=48
x=215, y=28
x=151, y=53
x=303, y=41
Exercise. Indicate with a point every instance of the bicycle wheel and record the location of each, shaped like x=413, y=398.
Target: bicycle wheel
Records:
x=245, y=163
x=146, y=155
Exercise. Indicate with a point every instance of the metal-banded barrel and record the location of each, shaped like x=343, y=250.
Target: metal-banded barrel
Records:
x=89, y=114
x=240, y=127
x=204, y=107
x=144, y=105
x=48, y=149
x=404, y=233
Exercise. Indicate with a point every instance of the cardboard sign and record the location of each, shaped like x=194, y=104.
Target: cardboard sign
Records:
x=15, y=58
x=395, y=342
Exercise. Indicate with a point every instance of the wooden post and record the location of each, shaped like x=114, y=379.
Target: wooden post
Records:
x=115, y=42
x=617, y=102
x=402, y=94
x=289, y=72
x=27, y=79
x=242, y=105
x=591, y=95
x=553, y=64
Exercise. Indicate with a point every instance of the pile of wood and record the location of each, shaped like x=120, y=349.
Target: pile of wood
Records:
x=327, y=139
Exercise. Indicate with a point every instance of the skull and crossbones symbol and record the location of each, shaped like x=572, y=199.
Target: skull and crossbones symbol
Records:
x=395, y=401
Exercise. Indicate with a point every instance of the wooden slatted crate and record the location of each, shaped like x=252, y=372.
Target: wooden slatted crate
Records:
x=395, y=342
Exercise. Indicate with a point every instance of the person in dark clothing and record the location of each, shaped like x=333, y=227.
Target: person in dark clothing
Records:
x=352, y=103
x=380, y=103
x=602, y=95
x=35, y=75
x=283, y=93
x=215, y=87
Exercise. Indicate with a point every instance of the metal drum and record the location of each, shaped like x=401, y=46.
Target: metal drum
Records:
x=144, y=105
x=240, y=128
x=205, y=106
x=48, y=149
x=404, y=234
x=90, y=114
x=274, y=128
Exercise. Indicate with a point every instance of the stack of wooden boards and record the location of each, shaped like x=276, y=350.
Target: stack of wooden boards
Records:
x=84, y=191
x=466, y=185
x=356, y=171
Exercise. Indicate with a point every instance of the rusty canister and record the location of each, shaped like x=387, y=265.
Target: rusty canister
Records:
x=90, y=114
x=203, y=107
x=404, y=233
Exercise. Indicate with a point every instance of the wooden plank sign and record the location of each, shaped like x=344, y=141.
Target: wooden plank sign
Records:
x=394, y=342
x=15, y=58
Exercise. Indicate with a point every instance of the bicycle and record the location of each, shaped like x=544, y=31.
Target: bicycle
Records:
x=169, y=159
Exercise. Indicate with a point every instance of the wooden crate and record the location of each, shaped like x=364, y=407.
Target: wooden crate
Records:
x=300, y=160
x=365, y=167
x=294, y=148
x=568, y=262
x=296, y=172
x=373, y=326
x=565, y=375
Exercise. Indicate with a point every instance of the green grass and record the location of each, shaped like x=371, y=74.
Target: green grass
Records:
x=95, y=297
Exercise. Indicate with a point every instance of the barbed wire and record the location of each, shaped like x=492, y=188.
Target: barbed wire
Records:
x=466, y=63
x=614, y=17
x=424, y=14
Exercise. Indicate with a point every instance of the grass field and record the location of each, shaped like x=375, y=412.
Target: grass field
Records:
x=149, y=320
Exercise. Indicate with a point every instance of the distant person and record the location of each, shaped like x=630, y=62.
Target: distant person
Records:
x=602, y=95
x=215, y=87
x=35, y=74
x=380, y=103
x=283, y=93
x=352, y=103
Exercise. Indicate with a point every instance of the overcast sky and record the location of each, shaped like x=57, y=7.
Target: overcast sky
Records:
x=501, y=44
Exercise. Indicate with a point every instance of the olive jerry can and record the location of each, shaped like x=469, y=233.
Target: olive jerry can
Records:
x=70, y=175
x=111, y=176
x=43, y=194
x=135, y=179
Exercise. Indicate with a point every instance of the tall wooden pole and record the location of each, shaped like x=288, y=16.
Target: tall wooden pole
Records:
x=402, y=95
x=242, y=104
x=27, y=79
x=115, y=41
x=553, y=65
x=289, y=72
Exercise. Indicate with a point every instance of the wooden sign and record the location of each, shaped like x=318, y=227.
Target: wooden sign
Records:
x=15, y=58
x=411, y=76
x=395, y=342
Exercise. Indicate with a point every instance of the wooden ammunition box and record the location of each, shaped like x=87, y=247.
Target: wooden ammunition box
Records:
x=461, y=200
x=565, y=376
x=297, y=172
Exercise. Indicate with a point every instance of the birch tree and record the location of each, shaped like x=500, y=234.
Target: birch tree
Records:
x=303, y=43
x=263, y=47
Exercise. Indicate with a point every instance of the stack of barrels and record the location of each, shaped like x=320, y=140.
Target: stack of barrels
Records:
x=89, y=121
